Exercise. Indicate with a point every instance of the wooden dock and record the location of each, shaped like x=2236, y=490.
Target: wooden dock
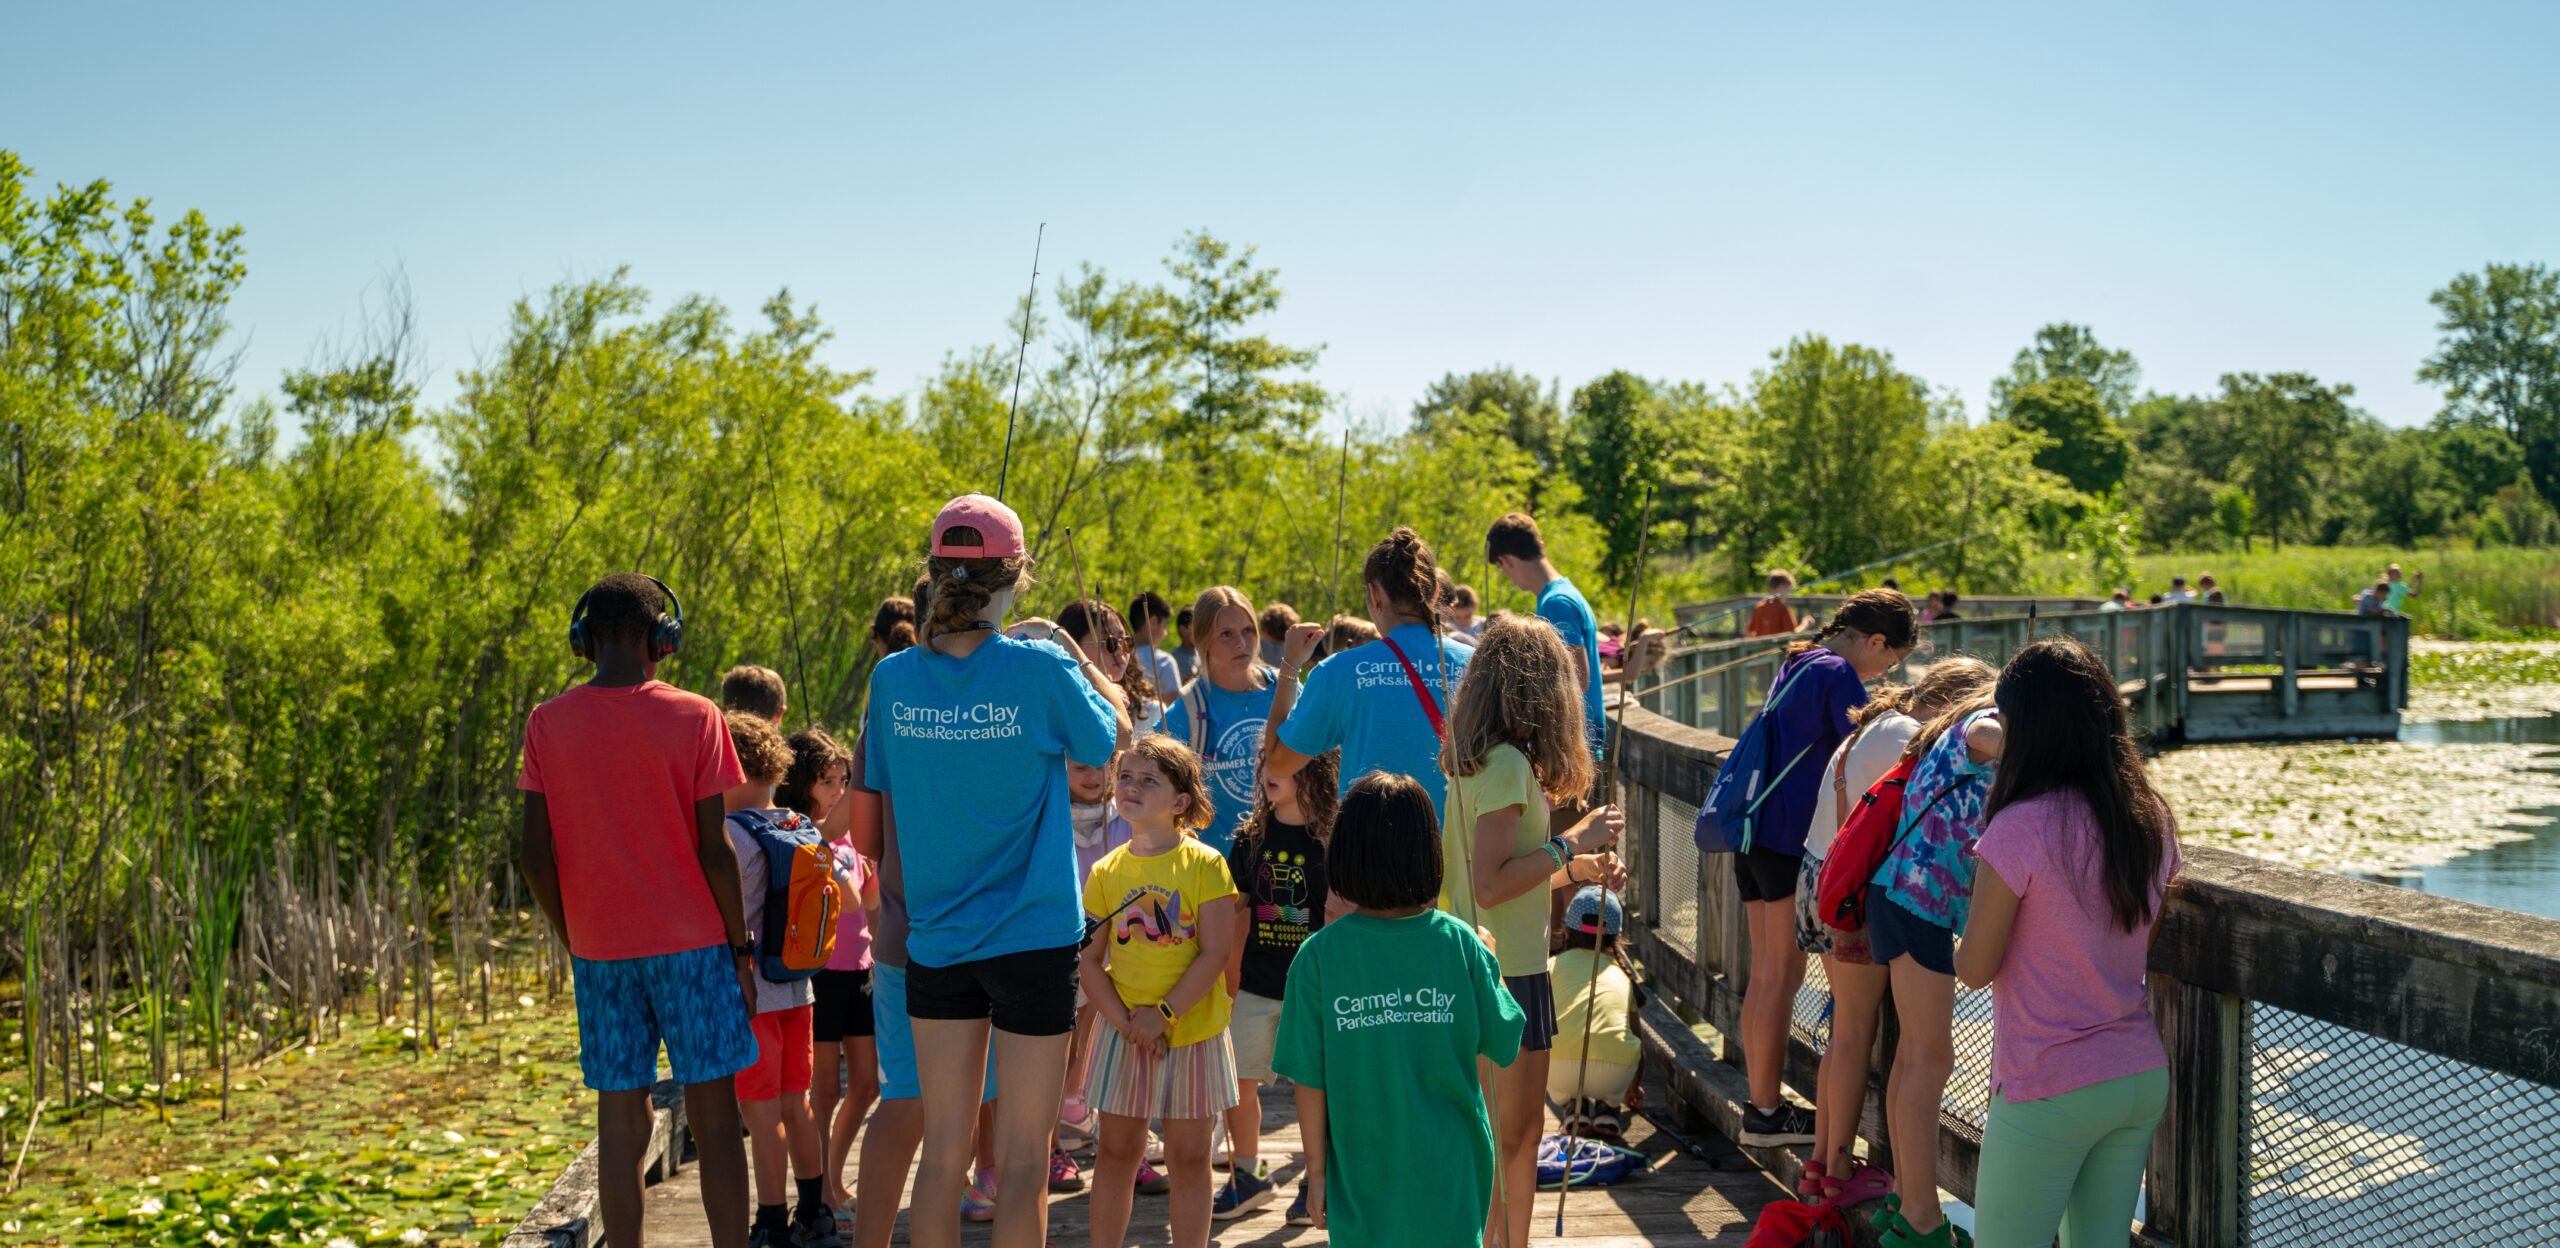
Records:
x=1687, y=1199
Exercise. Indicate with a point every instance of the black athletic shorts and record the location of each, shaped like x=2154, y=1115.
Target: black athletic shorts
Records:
x=843, y=1008
x=1031, y=993
x=1767, y=875
x=1537, y=997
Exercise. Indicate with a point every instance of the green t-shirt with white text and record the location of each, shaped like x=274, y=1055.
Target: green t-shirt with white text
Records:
x=1387, y=1017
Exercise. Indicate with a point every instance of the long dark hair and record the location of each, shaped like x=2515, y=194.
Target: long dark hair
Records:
x=2064, y=727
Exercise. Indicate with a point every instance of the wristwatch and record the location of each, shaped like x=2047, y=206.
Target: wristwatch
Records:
x=743, y=952
x=1166, y=1008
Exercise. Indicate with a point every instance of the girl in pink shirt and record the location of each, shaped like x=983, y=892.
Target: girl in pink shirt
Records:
x=2076, y=857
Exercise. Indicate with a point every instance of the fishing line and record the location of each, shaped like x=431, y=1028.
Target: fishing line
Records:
x=1029, y=305
x=790, y=595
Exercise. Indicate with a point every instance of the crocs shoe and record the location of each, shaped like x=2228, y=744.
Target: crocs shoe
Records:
x=1064, y=1174
x=978, y=1204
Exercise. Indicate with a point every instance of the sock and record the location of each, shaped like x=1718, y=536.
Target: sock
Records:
x=810, y=1196
x=1770, y=1112
x=772, y=1217
x=1243, y=1163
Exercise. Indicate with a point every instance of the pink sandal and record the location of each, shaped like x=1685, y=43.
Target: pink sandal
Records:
x=1812, y=1183
x=1865, y=1183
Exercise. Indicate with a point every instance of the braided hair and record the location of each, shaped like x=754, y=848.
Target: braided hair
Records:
x=1402, y=568
x=1882, y=613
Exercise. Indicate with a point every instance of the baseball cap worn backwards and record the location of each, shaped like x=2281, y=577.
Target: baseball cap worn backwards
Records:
x=998, y=532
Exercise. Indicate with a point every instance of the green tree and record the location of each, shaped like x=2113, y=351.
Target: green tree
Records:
x=1826, y=449
x=2498, y=359
x=2480, y=460
x=2407, y=494
x=2235, y=515
x=1512, y=401
x=2066, y=351
x=2085, y=445
x=2292, y=429
x=1613, y=450
x=1241, y=388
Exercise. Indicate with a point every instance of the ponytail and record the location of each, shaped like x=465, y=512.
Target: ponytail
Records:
x=1883, y=613
x=963, y=587
x=1402, y=567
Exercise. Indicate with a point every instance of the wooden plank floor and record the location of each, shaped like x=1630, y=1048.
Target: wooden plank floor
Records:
x=1686, y=1200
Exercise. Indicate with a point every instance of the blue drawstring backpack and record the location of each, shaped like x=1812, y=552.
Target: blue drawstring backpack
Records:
x=1596, y=1163
x=1729, y=821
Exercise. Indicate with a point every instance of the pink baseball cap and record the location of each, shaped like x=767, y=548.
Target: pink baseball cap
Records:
x=999, y=530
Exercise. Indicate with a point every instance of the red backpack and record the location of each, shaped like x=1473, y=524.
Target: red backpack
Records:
x=1866, y=839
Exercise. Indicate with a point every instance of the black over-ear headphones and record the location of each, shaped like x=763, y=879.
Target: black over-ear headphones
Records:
x=666, y=633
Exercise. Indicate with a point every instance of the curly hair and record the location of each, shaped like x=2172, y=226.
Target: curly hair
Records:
x=623, y=606
x=813, y=755
x=1402, y=567
x=1181, y=769
x=893, y=624
x=1089, y=621
x=1319, y=799
x=762, y=754
x=1882, y=613
x=1521, y=690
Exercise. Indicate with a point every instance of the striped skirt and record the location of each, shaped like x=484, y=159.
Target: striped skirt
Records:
x=1193, y=1081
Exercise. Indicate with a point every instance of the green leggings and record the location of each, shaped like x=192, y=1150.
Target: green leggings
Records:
x=2072, y=1161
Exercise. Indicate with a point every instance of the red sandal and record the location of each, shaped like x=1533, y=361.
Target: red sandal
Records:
x=1812, y=1184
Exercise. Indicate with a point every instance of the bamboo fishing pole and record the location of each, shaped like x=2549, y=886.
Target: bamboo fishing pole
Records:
x=1615, y=743
x=1341, y=484
x=1021, y=353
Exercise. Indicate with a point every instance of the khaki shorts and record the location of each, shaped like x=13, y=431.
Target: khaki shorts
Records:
x=1254, y=1025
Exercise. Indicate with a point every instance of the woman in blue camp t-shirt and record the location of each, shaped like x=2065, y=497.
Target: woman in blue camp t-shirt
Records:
x=966, y=738
x=1365, y=701
x=1224, y=716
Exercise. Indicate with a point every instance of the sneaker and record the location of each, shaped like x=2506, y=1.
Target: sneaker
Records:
x=815, y=1227
x=1064, y=1175
x=1075, y=1126
x=1298, y=1215
x=1155, y=1148
x=1791, y=1124
x=762, y=1236
x=1242, y=1194
x=978, y=1204
x=1151, y=1181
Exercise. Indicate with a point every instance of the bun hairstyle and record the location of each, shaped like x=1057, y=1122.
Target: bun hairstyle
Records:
x=1181, y=769
x=1521, y=690
x=1403, y=569
x=2067, y=729
x=813, y=755
x=962, y=587
x=1882, y=613
x=893, y=624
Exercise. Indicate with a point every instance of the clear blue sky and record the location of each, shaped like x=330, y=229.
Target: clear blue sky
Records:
x=1670, y=189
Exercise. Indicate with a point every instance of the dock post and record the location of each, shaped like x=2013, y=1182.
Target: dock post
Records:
x=2201, y=1150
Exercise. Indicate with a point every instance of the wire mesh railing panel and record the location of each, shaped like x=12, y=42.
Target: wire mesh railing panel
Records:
x=2352, y=1138
x=1968, y=1096
x=1674, y=855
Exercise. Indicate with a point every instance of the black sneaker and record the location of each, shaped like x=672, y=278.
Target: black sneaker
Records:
x=815, y=1227
x=1791, y=1124
x=763, y=1236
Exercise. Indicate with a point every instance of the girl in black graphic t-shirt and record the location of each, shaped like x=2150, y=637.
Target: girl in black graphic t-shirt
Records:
x=1278, y=865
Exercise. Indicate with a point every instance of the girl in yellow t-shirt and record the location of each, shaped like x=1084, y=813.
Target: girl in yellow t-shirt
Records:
x=1516, y=746
x=1155, y=973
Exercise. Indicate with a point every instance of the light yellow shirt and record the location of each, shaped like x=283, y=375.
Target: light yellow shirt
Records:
x=1519, y=926
x=1611, y=1041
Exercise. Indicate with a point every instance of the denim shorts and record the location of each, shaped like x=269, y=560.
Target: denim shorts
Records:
x=1894, y=932
x=896, y=1037
x=689, y=1001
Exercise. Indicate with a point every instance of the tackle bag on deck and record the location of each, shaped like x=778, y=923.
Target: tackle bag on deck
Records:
x=1596, y=1163
x=802, y=897
x=1787, y=1224
x=1728, y=822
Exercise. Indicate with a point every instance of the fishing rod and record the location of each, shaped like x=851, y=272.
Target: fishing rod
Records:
x=1029, y=303
x=790, y=594
x=1888, y=561
x=1616, y=742
x=1341, y=484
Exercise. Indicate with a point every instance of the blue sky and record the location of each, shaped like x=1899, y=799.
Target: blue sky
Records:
x=1672, y=189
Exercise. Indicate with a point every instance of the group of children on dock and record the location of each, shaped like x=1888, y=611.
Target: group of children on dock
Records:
x=1054, y=894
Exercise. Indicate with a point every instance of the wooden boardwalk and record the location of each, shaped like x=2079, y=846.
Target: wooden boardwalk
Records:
x=1686, y=1200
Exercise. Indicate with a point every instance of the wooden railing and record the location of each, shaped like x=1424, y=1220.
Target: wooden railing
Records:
x=2305, y=1015
x=2191, y=672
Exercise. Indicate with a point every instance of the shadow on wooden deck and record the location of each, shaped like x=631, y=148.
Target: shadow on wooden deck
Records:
x=1707, y=1196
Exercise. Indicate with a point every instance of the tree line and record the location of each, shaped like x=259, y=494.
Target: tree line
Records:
x=318, y=614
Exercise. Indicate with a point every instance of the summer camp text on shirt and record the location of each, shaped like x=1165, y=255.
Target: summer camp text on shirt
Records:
x=1360, y=702
x=1230, y=751
x=968, y=751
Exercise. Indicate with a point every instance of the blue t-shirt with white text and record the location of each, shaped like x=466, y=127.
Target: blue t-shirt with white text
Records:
x=1230, y=751
x=1360, y=702
x=971, y=753
x=1560, y=604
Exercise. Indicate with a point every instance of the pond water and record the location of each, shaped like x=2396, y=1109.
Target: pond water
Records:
x=2521, y=875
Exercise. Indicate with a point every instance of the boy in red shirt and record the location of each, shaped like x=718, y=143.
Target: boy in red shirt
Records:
x=624, y=847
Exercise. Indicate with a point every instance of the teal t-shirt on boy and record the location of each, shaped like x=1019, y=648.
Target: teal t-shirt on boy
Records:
x=1360, y=702
x=970, y=752
x=1387, y=1018
x=1560, y=604
x=1230, y=751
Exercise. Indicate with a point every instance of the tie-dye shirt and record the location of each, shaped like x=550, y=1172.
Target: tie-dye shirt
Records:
x=1930, y=872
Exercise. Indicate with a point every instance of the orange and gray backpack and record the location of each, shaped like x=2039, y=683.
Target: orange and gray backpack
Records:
x=802, y=897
